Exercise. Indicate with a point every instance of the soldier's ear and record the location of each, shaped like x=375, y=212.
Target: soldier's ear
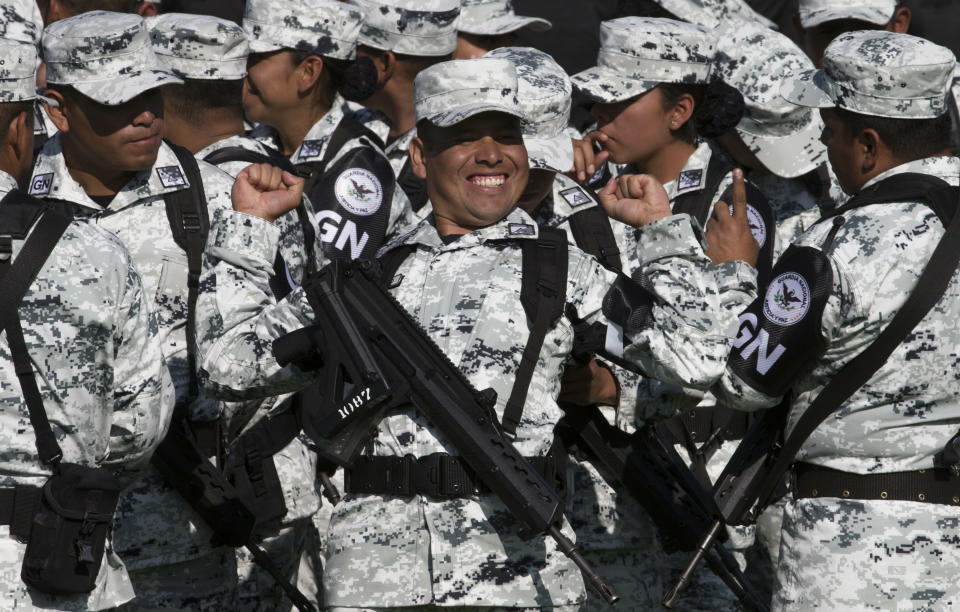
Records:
x=309, y=70
x=870, y=148
x=901, y=21
x=418, y=157
x=57, y=111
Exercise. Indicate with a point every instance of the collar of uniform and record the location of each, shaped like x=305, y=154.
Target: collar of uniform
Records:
x=52, y=179
x=943, y=167
x=240, y=140
x=516, y=225
x=566, y=198
x=373, y=120
x=7, y=184
x=401, y=146
x=265, y=135
x=315, y=142
x=693, y=175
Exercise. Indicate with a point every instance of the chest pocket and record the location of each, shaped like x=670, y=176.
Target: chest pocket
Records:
x=171, y=294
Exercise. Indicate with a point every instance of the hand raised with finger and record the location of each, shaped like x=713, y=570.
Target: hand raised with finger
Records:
x=728, y=231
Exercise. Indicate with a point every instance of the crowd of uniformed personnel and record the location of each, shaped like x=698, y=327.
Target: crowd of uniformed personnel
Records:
x=748, y=226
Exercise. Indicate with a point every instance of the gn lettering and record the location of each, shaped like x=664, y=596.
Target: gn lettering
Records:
x=751, y=341
x=333, y=230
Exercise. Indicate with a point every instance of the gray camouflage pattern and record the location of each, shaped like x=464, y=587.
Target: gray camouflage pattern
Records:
x=200, y=46
x=20, y=20
x=878, y=73
x=495, y=17
x=896, y=422
x=426, y=28
x=712, y=13
x=450, y=92
x=755, y=60
x=91, y=50
x=96, y=349
x=817, y=12
x=543, y=90
x=465, y=558
x=637, y=53
x=18, y=72
x=324, y=27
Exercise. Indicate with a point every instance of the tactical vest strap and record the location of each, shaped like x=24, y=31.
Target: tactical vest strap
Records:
x=699, y=203
x=412, y=185
x=348, y=129
x=593, y=234
x=907, y=187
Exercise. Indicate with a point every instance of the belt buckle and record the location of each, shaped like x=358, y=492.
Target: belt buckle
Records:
x=399, y=476
x=425, y=478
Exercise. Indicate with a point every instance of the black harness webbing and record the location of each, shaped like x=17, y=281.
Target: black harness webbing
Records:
x=346, y=130
x=592, y=232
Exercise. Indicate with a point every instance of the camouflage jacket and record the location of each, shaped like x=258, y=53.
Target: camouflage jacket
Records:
x=154, y=525
x=463, y=550
x=910, y=408
x=95, y=347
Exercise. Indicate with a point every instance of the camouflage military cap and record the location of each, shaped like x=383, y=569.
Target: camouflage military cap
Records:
x=323, y=27
x=493, y=17
x=816, y=12
x=18, y=71
x=426, y=28
x=711, y=13
x=755, y=60
x=543, y=90
x=450, y=92
x=638, y=53
x=21, y=20
x=875, y=72
x=200, y=46
x=105, y=56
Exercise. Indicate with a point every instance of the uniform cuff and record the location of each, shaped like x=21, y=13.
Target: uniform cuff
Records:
x=671, y=236
x=244, y=234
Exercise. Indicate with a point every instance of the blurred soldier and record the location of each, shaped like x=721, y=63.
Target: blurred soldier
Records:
x=485, y=25
x=205, y=115
x=444, y=548
x=872, y=521
x=711, y=13
x=403, y=37
x=109, y=159
x=303, y=68
x=55, y=10
x=820, y=21
x=85, y=330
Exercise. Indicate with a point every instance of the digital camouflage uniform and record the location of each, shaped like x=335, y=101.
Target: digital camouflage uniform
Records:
x=206, y=48
x=164, y=543
x=395, y=552
x=817, y=12
x=495, y=17
x=855, y=554
x=95, y=350
x=711, y=13
x=613, y=530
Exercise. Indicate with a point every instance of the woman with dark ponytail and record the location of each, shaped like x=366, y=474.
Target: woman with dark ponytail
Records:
x=300, y=90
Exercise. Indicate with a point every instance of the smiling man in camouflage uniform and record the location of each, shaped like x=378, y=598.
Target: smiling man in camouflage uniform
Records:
x=866, y=528
x=92, y=342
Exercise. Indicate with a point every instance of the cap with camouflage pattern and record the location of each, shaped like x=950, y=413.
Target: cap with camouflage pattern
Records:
x=323, y=27
x=494, y=17
x=450, y=92
x=879, y=73
x=21, y=20
x=543, y=90
x=105, y=56
x=18, y=71
x=200, y=46
x=817, y=12
x=711, y=13
x=425, y=28
x=638, y=53
x=755, y=60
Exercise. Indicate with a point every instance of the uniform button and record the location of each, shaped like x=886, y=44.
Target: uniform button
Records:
x=883, y=495
x=922, y=497
x=846, y=493
x=956, y=499
x=814, y=492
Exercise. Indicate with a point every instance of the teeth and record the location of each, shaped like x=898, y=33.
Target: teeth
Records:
x=488, y=181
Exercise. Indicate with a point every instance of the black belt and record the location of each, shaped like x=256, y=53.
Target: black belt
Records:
x=18, y=505
x=932, y=486
x=436, y=475
x=702, y=422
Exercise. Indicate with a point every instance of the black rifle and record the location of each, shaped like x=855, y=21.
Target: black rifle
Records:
x=375, y=355
x=647, y=466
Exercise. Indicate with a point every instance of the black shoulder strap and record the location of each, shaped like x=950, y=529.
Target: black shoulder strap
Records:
x=698, y=204
x=906, y=187
x=16, y=280
x=391, y=261
x=412, y=185
x=930, y=287
x=593, y=234
x=274, y=158
x=954, y=123
x=348, y=129
x=190, y=223
x=543, y=293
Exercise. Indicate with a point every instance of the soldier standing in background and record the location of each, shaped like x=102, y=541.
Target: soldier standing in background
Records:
x=485, y=25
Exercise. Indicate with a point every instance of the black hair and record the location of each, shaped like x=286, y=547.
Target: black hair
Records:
x=412, y=65
x=718, y=107
x=908, y=139
x=8, y=112
x=356, y=80
x=194, y=97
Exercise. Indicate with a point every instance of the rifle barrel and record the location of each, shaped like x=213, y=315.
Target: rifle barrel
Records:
x=570, y=550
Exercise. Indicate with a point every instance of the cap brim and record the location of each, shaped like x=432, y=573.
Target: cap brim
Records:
x=811, y=88
x=462, y=113
x=126, y=87
x=263, y=46
x=550, y=153
x=788, y=156
x=815, y=18
x=504, y=25
x=603, y=85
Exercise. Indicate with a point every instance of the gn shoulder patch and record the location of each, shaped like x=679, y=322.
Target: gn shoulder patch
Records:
x=780, y=331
